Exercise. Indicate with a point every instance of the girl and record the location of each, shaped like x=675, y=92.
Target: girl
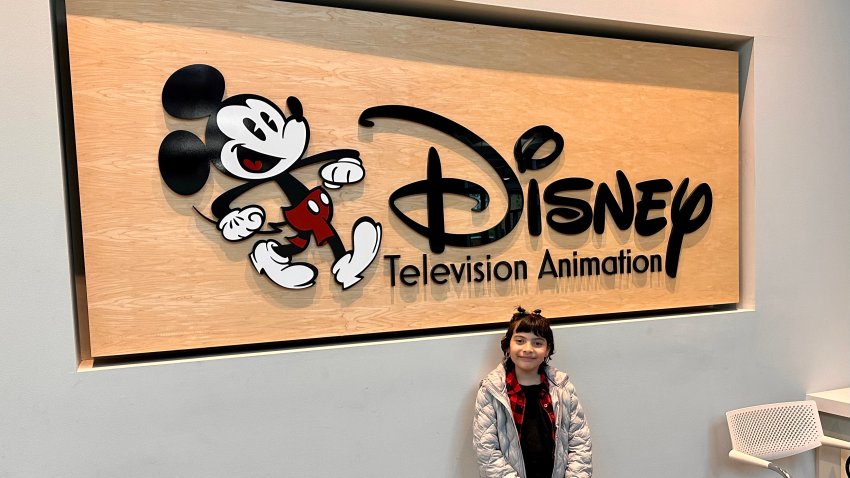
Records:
x=528, y=421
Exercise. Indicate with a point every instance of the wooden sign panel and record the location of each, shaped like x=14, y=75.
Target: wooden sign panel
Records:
x=321, y=172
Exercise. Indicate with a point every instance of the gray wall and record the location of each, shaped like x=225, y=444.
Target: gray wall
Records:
x=655, y=390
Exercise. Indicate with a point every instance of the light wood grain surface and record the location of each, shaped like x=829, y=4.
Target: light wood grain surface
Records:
x=160, y=278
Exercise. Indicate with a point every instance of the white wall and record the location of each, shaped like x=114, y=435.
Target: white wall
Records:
x=655, y=390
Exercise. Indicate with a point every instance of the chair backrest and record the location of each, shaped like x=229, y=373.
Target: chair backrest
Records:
x=776, y=430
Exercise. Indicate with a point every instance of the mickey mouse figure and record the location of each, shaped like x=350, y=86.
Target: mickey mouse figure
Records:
x=250, y=138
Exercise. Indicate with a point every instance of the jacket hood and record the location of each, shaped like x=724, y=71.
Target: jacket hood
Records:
x=497, y=376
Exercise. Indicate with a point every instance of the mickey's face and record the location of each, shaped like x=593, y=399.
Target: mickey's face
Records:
x=259, y=141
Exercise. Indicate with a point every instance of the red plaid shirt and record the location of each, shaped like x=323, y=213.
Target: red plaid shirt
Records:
x=517, y=398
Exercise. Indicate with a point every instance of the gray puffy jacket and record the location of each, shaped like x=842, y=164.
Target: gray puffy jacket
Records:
x=495, y=436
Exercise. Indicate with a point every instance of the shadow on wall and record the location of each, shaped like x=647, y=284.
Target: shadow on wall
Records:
x=301, y=24
x=465, y=465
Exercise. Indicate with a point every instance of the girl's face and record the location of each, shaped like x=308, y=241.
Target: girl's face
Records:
x=527, y=351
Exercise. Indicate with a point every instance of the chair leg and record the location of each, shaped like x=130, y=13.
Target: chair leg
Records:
x=779, y=470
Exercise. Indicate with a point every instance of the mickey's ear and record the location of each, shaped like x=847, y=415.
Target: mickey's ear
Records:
x=184, y=162
x=193, y=92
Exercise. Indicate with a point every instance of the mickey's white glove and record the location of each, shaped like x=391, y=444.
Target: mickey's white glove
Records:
x=242, y=223
x=343, y=171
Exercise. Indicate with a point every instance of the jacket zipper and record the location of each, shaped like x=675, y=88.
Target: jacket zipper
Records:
x=500, y=396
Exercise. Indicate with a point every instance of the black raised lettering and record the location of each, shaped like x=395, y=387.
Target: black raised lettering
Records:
x=643, y=225
x=575, y=213
x=684, y=221
x=435, y=185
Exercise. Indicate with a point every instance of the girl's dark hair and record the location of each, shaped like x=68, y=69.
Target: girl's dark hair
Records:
x=533, y=322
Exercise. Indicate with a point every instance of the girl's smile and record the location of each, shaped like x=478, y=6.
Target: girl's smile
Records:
x=527, y=351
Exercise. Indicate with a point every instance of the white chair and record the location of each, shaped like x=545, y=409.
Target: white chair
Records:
x=768, y=432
